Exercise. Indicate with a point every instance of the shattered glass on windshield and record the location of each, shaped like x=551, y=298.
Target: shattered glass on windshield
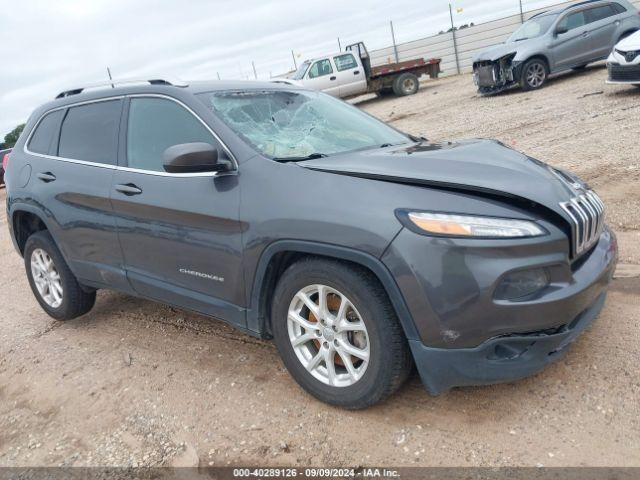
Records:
x=283, y=124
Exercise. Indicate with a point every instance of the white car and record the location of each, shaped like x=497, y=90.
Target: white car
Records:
x=624, y=62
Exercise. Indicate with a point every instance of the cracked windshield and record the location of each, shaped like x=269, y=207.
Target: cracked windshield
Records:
x=289, y=125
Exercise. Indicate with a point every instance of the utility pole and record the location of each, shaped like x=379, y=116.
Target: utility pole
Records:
x=218, y=73
x=339, y=46
x=521, y=13
x=393, y=38
x=255, y=74
x=455, y=41
x=295, y=64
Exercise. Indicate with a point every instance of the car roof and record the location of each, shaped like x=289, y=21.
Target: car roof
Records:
x=576, y=5
x=104, y=90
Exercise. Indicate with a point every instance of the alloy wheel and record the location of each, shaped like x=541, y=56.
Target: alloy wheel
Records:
x=328, y=335
x=535, y=75
x=46, y=278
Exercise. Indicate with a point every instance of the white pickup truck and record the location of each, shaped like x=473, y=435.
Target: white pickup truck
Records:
x=349, y=73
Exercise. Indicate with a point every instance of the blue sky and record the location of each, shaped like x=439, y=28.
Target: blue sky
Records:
x=48, y=46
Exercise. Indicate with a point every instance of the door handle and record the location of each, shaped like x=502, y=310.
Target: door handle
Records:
x=46, y=177
x=357, y=72
x=128, y=189
x=332, y=78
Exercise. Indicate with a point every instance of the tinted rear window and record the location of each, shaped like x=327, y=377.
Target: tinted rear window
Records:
x=600, y=13
x=618, y=8
x=89, y=132
x=46, y=133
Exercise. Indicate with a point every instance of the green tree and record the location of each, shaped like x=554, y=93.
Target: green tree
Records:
x=11, y=138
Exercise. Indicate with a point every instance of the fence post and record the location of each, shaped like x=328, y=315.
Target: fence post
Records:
x=455, y=42
x=395, y=47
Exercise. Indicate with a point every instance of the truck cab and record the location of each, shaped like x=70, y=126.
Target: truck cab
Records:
x=339, y=74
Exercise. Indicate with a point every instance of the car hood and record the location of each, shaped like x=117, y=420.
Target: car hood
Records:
x=484, y=166
x=499, y=51
x=632, y=42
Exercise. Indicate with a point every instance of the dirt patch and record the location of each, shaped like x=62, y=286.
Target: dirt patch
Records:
x=138, y=383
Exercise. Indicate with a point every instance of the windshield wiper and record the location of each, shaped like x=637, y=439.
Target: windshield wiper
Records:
x=520, y=39
x=311, y=156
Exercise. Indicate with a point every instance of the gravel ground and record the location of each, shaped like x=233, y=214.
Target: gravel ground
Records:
x=138, y=383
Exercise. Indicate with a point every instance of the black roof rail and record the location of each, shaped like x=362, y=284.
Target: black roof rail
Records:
x=114, y=82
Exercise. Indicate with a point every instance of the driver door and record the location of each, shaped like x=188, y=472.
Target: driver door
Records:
x=180, y=232
x=573, y=47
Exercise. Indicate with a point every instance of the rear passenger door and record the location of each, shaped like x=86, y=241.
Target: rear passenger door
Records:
x=603, y=24
x=351, y=75
x=73, y=154
x=180, y=233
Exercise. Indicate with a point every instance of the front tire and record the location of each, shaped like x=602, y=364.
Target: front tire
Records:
x=406, y=84
x=338, y=334
x=534, y=74
x=52, y=282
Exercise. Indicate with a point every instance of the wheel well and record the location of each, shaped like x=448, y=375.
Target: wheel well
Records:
x=539, y=57
x=26, y=224
x=626, y=34
x=276, y=267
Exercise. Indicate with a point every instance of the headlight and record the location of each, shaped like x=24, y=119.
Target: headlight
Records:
x=454, y=225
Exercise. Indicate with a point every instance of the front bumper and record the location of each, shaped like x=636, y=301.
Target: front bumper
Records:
x=467, y=337
x=623, y=74
x=493, y=77
x=501, y=359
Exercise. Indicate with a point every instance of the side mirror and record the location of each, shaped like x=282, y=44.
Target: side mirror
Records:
x=561, y=30
x=192, y=158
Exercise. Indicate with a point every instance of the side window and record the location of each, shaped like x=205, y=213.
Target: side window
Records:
x=46, y=133
x=618, y=8
x=573, y=20
x=90, y=132
x=156, y=124
x=600, y=13
x=345, y=62
x=320, y=68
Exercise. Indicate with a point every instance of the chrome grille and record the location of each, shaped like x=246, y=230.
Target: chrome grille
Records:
x=587, y=220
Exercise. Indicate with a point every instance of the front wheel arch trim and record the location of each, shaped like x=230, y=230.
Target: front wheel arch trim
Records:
x=258, y=323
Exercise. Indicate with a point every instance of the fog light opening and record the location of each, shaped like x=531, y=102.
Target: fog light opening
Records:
x=522, y=284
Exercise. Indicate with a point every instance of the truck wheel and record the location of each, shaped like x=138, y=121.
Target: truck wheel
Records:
x=534, y=74
x=54, y=286
x=406, y=84
x=338, y=334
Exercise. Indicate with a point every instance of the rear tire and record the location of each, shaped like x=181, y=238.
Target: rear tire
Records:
x=369, y=324
x=534, y=74
x=52, y=282
x=406, y=84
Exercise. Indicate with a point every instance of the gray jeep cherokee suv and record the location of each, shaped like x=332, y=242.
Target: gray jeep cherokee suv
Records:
x=294, y=216
x=553, y=41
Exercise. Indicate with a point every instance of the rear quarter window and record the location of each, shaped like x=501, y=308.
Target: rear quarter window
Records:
x=46, y=133
x=618, y=8
x=90, y=132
